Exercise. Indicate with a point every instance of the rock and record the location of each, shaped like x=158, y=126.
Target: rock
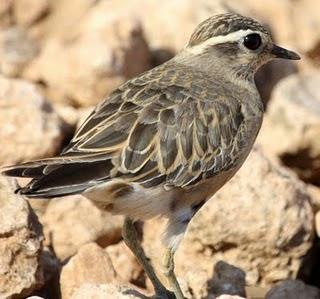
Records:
x=22, y=12
x=186, y=14
x=29, y=127
x=122, y=258
x=103, y=291
x=261, y=221
x=90, y=265
x=270, y=74
x=227, y=279
x=27, y=12
x=20, y=246
x=5, y=16
x=74, y=221
x=278, y=205
x=293, y=289
x=35, y=297
x=71, y=115
x=100, y=53
x=17, y=50
x=314, y=192
x=293, y=119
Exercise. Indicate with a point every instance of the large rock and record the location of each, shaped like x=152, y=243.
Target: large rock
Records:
x=29, y=128
x=261, y=222
x=22, y=12
x=186, y=14
x=20, y=245
x=5, y=16
x=293, y=289
x=127, y=265
x=27, y=12
x=74, y=221
x=17, y=50
x=291, y=127
x=90, y=265
x=99, y=53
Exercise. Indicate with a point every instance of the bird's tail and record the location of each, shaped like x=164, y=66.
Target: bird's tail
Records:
x=61, y=176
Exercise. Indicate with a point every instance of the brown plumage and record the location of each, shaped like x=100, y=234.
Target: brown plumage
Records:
x=150, y=130
x=163, y=143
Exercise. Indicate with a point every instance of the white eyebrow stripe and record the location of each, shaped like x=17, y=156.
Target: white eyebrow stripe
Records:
x=220, y=39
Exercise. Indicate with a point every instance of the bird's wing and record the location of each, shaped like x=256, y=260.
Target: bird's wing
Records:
x=150, y=131
x=163, y=134
x=180, y=142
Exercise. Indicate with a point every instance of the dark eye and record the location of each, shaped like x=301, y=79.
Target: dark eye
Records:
x=252, y=41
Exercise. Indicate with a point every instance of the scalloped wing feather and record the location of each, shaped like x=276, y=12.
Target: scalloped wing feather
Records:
x=152, y=131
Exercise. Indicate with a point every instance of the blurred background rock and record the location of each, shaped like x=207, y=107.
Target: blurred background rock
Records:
x=59, y=58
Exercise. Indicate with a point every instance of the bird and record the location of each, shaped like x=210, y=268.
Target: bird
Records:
x=163, y=143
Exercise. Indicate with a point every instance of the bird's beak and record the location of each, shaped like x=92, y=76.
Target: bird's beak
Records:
x=279, y=52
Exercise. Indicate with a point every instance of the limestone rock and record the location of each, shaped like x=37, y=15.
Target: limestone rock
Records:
x=103, y=291
x=314, y=192
x=279, y=207
x=72, y=116
x=293, y=289
x=22, y=12
x=293, y=120
x=74, y=221
x=261, y=221
x=27, y=12
x=29, y=128
x=127, y=265
x=20, y=246
x=186, y=14
x=90, y=265
x=17, y=50
x=5, y=16
x=99, y=54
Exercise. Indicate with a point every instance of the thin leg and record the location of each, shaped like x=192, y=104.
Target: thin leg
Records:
x=169, y=273
x=130, y=237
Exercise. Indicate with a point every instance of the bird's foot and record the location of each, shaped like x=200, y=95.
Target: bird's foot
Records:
x=164, y=295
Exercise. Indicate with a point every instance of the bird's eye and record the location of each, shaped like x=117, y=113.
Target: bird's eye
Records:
x=252, y=41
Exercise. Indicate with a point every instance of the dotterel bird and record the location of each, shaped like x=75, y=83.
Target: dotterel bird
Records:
x=164, y=142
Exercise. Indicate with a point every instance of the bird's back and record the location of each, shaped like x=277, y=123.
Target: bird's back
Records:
x=172, y=127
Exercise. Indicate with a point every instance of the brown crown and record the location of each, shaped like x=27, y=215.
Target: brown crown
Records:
x=223, y=24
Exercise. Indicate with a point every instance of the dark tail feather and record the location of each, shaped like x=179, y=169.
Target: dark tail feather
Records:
x=60, y=179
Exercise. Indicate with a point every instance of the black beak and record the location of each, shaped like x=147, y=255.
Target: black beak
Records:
x=279, y=52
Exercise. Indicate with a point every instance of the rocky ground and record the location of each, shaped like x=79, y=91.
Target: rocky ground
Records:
x=259, y=236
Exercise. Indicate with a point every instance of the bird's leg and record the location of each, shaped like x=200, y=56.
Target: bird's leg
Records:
x=130, y=237
x=168, y=263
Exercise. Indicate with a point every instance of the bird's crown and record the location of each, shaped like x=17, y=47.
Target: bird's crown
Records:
x=223, y=25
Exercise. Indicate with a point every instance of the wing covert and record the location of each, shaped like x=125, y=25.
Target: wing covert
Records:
x=156, y=132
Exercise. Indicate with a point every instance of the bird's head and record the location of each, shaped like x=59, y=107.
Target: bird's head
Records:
x=234, y=42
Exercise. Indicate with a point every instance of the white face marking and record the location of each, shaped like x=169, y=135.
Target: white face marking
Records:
x=220, y=39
